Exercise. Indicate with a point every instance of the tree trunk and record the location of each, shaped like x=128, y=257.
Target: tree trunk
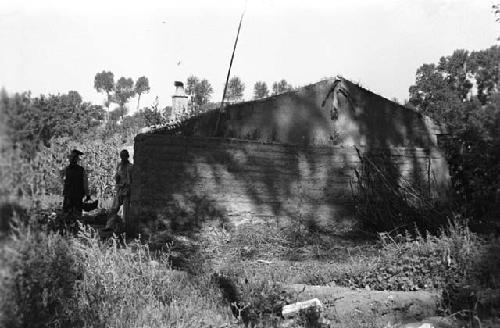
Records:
x=106, y=116
x=138, y=99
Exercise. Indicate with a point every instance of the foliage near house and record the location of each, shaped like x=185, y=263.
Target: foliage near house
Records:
x=260, y=90
x=461, y=92
x=235, y=89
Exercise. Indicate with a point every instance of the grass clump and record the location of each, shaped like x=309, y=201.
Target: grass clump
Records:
x=254, y=301
x=51, y=280
x=258, y=240
x=414, y=261
x=40, y=271
x=464, y=266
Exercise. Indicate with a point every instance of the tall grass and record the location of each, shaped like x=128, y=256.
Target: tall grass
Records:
x=53, y=280
x=39, y=275
x=62, y=281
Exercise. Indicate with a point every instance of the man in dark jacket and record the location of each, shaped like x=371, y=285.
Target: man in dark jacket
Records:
x=75, y=184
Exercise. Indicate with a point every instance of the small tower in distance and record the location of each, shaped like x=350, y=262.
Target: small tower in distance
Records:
x=180, y=101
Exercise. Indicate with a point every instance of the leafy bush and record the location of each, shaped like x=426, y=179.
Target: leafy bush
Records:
x=444, y=92
x=263, y=301
x=253, y=300
x=474, y=167
x=41, y=273
x=62, y=281
x=30, y=122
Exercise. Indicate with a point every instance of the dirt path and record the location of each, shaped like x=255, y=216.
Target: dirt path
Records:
x=380, y=307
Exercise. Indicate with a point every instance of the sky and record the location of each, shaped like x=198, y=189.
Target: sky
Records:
x=54, y=46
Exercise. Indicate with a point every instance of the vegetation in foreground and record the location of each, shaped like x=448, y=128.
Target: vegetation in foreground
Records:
x=51, y=280
x=60, y=280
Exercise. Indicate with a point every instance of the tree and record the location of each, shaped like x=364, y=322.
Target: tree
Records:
x=141, y=86
x=445, y=92
x=124, y=90
x=455, y=72
x=192, y=82
x=235, y=89
x=201, y=90
x=433, y=96
x=30, y=122
x=260, y=90
x=485, y=65
x=19, y=119
x=152, y=115
x=118, y=113
x=104, y=82
x=281, y=87
x=133, y=123
x=73, y=98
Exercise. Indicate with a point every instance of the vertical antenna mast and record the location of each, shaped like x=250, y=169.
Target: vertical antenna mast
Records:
x=229, y=70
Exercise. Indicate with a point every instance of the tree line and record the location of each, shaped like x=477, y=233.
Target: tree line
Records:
x=202, y=90
x=31, y=121
x=120, y=91
x=123, y=89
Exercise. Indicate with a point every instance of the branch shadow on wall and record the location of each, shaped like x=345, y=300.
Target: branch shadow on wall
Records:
x=262, y=179
x=396, y=163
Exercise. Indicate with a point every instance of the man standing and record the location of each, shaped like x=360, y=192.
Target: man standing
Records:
x=75, y=185
x=123, y=178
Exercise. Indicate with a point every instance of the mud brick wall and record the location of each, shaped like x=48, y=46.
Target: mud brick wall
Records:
x=248, y=180
x=313, y=116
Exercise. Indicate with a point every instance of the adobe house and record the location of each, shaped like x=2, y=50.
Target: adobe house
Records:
x=282, y=157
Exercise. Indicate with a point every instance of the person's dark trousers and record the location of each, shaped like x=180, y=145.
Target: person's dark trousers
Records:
x=72, y=205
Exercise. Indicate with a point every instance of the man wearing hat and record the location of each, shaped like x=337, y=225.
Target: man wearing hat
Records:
x=75, y=184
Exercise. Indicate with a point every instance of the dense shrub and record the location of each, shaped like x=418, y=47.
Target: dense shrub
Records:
x=41, y=273
x=461, y=93
x=253, y=300
x=31, y=122
x=263, y=300
x=474, y=169
x=62, y=281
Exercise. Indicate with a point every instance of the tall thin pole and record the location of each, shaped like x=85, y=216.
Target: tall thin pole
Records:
x=229, y=70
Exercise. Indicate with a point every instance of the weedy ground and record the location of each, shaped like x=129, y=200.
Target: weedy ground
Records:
x=228, y=278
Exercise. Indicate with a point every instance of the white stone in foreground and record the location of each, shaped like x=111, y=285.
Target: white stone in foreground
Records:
x=419, y=325
x=293, y=309
x=264, y=261
x=145, y=129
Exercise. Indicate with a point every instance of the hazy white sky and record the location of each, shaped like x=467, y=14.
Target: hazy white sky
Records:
x=56, y=46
